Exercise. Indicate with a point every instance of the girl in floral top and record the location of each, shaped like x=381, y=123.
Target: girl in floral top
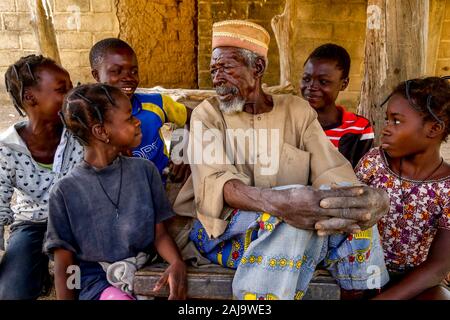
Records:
x=408, y=165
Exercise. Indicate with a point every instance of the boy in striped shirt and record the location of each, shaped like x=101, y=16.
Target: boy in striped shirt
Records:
x=325, y=74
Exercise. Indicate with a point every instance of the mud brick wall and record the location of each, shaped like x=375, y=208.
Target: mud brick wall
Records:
x=163, y=35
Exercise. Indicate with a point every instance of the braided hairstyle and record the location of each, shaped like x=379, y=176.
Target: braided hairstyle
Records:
x=85, y=106
x=429, y=96
x=23, y=74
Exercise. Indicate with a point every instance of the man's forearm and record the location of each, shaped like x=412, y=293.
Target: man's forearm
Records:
x=300, y=207
x=240, y=196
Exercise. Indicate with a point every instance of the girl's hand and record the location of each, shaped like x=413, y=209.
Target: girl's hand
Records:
x=175, y=275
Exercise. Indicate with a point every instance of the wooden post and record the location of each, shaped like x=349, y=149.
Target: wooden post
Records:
x=42, y=23
x=281, y=26
x=437, y=13
x=395, y=50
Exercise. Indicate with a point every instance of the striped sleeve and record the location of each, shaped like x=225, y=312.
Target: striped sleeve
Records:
x=357, y=126
x=354, y=137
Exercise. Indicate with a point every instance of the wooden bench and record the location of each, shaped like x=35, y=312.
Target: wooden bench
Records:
x=215, y=283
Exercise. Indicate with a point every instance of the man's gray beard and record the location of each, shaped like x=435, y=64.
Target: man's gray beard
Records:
x=235, y=105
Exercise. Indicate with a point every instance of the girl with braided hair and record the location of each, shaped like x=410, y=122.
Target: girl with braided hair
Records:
x=107, y=215
x=408, y=165
x=34, y=154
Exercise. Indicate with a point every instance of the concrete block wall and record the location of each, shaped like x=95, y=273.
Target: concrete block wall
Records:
x=78, y=25
x=15, y=41
x=338, y=21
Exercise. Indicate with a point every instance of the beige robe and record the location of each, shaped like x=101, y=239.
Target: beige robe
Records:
x=303, y=153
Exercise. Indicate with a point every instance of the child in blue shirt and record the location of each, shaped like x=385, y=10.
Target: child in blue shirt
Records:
x=114, y=62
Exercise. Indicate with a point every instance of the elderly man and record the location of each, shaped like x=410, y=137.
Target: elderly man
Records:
x=250, y=152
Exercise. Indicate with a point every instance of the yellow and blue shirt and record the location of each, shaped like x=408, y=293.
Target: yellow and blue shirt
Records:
x=153, y=110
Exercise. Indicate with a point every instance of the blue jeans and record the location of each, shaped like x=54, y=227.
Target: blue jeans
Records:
x=24, y=267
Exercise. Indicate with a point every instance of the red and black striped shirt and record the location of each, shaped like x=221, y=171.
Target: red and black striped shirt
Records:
x=353, y=136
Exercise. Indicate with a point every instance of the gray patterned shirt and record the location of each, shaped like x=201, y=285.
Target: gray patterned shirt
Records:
x=31, y=181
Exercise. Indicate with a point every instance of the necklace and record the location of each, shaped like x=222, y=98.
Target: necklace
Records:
x=419, y=181
x=116, y=203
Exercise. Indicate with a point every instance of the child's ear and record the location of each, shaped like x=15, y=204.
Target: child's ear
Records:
x=94, y=73
x=435, y=129
x=345, y=84
x=99, y=133
x=29, y=98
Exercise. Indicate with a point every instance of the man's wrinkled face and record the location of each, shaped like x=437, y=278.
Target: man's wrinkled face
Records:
x=233, y=80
